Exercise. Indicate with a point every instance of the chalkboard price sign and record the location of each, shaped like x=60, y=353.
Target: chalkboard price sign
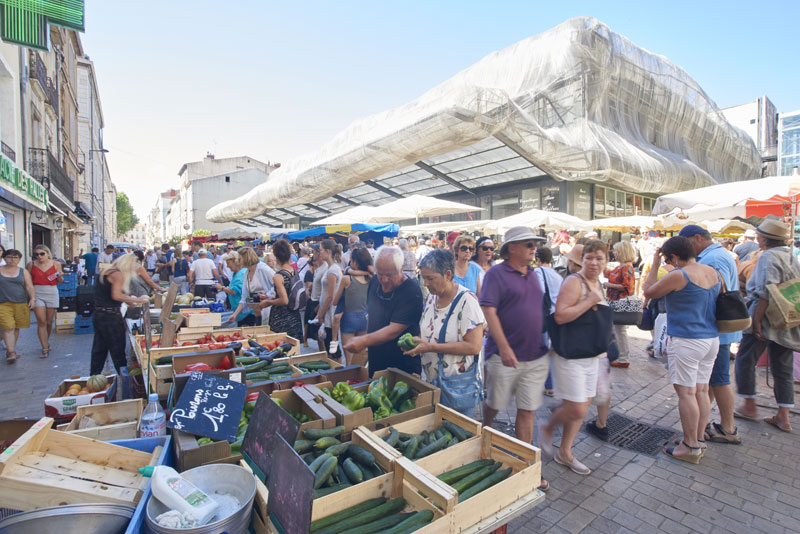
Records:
x=290, y=487
x=209, y=406
x=267, y=420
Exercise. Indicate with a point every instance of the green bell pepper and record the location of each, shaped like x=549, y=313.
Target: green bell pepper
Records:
x=381, y=384
x=381, y=413
x=400, y=393
x=341, y=390
x=374, y=397
x=327, y=392
x=406, y=342
x=353, y=401
x=406, y=405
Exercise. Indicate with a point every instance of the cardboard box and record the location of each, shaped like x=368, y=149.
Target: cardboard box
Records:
x=65, y=318
x=188, y=454
x=117, y=420
x=60, y=407
x=204, y=319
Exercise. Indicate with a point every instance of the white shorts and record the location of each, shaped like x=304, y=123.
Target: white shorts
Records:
x=46, y=297
x=690, y=361
x=526, y=382
x=575, y=380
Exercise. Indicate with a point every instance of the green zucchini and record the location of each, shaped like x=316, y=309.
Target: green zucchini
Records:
x=411, y=449
x=303, y=445
x=344, y=514
x=318, y=461
x=470, y=480
x=454, y=475
x=433, y=447
x=271, y=367
x=324, y=443
x=486, y=483
x=363, y=518
x=382, y=524
x=279, y=370
x=452, y=442
x=360, y=455
x=352, y=471
x=337, y=449
x=164, y=360
x=325, y=471
x=247, y=360
x=406, y=437
x=393, y=437
x=415, y=522
x=258, y=375
x=341, y=476
x=456, y=430
x=330, y=489
x=257, y=366
x=315, y=365
x=316, y=433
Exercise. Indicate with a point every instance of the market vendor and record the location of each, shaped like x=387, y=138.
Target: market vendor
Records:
x=394, y=307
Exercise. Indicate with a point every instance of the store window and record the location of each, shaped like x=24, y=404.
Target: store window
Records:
x=599, y=201
x=531, y=199
x=629, y=204
x=551, y=198
x=7, y=229
x=505, y=205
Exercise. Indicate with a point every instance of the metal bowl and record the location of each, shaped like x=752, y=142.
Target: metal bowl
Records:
x=223, y=478
x=70, y=519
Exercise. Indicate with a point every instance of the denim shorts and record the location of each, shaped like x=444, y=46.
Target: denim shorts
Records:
x=353, y=322
x=721, y=373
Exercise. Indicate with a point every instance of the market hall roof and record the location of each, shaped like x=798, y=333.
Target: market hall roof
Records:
x=577, y=102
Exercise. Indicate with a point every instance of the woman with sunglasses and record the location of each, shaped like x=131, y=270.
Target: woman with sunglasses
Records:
x=484, y=254
x=46, y=275
x=16, y=300
x=467, y=273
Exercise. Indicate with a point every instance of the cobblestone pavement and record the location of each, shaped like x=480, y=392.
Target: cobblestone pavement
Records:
x=750, y=488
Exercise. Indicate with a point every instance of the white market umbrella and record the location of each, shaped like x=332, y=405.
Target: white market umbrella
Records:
x=624, y=224
x=534, y=219
x=454, y=226
x=727, y=226
x=356, y=214
x=416, y=206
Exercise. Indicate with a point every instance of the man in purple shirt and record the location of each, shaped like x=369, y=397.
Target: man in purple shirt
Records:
x=511, y=299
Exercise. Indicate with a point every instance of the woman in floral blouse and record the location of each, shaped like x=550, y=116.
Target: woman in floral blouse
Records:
x=622, y=284
x=464, y=334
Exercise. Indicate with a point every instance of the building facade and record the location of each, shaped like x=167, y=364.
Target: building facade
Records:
x=789, y=143
x=759, y=120
x=137, y=235
x=157, y=218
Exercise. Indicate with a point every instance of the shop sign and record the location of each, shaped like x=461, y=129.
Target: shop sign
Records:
x=21, y=182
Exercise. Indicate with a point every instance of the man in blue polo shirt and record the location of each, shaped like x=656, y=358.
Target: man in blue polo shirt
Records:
x=714, y=254
x=90, y=259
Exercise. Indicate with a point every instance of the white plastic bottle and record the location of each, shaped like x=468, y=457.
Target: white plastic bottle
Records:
x=177, y=493
x=153, y=422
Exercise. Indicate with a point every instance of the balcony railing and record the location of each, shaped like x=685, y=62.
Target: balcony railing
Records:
x=39, y=71
x=44, y=167
x=52, y=95
x=9, y=152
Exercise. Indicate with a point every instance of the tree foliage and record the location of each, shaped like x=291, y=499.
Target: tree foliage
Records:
x=126, y=218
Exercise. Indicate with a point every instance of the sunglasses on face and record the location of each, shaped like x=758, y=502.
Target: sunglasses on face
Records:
x=530, y=244
x=487, y=247
x=41, y=254
x=466, y=248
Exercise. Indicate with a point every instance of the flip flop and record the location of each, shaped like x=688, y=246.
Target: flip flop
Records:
x=737, y=413
x=772, y=420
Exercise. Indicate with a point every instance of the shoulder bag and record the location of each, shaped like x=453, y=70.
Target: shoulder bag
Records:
x=461, y=392
x=585, y=337
x=731, y=311
x=783, y=310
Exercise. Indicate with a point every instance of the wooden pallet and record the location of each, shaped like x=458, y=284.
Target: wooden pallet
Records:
x=46, y=468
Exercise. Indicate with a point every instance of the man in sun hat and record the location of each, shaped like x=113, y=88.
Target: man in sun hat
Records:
x=511, y=299
x=714, y=255
x=775, y=265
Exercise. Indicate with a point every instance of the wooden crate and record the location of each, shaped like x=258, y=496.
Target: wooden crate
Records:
x=269, y=338
x=46, y=468
x=117, y=420
x=431, y=422
x=344, y=416
x=204, y=319
x=314, y=357
x=65, y=329
x=298, y=400
x=254, y=331
x=522, y=458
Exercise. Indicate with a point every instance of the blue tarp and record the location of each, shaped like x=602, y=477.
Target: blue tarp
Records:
x=365, y=231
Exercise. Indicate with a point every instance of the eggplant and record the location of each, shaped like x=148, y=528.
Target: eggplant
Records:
x=285, y=348
x=236, y=346
x=255, y=345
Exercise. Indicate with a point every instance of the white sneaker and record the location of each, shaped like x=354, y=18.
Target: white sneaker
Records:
x=334, y=347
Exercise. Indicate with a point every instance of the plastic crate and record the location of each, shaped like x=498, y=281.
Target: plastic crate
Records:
x=83, y=325
x=67, y=304
x=67, y=292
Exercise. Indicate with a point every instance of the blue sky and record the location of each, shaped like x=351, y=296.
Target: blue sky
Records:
x=274, y=80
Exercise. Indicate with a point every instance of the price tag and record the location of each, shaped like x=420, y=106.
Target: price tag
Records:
x=209, y=406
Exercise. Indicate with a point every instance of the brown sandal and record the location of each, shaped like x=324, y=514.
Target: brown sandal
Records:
x=45, y=353
x=773, y=420
x=10, y=358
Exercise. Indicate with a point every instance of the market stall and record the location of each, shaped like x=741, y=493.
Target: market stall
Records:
x=375, y=232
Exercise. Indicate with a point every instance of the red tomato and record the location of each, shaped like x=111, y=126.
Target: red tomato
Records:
x=217, y=346
x=225, y=364
x=187, y=343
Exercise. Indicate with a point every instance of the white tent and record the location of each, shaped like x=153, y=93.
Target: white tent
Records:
x=535, y=219
x=453, y=226
x=624, y=224
x=356, y=214
x=416, y=206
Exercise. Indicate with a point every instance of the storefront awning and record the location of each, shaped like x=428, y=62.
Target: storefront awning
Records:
x=83, y=211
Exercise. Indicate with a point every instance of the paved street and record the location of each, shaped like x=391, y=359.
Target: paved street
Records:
x=749, y=488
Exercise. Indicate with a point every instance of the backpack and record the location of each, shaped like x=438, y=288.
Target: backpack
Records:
x=297, y=290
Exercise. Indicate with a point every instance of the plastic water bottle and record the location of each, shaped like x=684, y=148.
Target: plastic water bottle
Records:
x=153, y=423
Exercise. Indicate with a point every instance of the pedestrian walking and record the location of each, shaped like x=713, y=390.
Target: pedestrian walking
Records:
x=90, y=260
x=776, y=264
x=110, y=330
x=46, y=275
x=467, y=273
x=17, y=299
x=583, y=319
x=282, y=318
x=511, y=302
x=690, y=292
x=621, y=285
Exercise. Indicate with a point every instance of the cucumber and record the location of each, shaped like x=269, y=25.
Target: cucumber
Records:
x=257, y=366
x=259, y=375
x=360, y=455
x=316, y=433
x=303, y=445
x=415, y=522
x=352, y=471
x=470, y=480
x=308, y=458
x=406, y=437
x=279, y=370
x=325, y=471
x=164, y=360
x=318, y=461
x=433, y=447
x=338, y=450
x=411, y=449
x=344, y=514
x=330, y=489
x=456, y=430
x=382, y=524
x=247, y=360
x=341, y=475
x=486, y=483
x=452, y=442
x=324, y=443
x=349, y=524
x=393, y=437
x=315, y=365
x=454, y=475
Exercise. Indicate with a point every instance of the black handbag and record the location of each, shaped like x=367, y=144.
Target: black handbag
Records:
x=731, y=311
x=586, y=337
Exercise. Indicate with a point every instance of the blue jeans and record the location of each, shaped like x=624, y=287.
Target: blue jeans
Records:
x=721, y=373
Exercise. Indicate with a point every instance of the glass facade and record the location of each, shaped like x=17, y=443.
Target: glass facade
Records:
x=788, y=143
x=610, y=202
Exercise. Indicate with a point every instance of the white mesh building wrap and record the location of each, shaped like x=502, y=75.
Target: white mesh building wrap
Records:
x=578, y=101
